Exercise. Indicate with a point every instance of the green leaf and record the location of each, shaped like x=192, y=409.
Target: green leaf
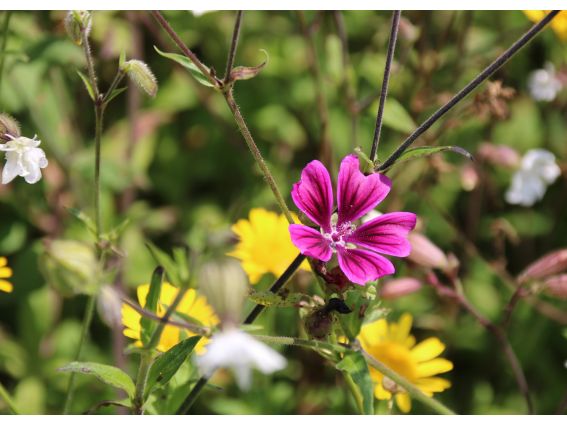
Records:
x=115, y=93
x=108, y=374
x=166, y=365
x=356, y=300
x=248, y=72
x=148, y=325
x=269, y=299
x=396, y=117
x=167, y=263
x=84, y=218
x=423, y=151
x=355, y=366
x=88, y=85
x=186, y=63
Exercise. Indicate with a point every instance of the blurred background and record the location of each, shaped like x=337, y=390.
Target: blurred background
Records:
x=178, y=169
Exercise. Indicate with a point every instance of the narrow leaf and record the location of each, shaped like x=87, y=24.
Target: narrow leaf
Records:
x=84, y=218
x=355, y=366
x=167, y=364
x=185, y=62
x=115, y=93
x=166, y=262
x=108, y=374
x=87, y=84
x=148, y=325
x=248, y=72
x=423, y=151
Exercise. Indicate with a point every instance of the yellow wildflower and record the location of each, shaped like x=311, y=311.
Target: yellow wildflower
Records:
x=558, y=24
x=5, y=272
x=393, y=345
x=265, y=244
x=193, y=305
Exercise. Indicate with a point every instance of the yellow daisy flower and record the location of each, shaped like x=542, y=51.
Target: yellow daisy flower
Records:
x=394, y=346
x=192, y=305
x=558, y=24
x=5, y=272
x=265, y=245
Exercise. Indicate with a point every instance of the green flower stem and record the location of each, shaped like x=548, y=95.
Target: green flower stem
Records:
x=91, y=303
x=412, y=390
x=355, y=391
x=307, y=343
x=5, y=27
x=8, y=400
x=228, y=95
x=90, y=63
x=141, y=380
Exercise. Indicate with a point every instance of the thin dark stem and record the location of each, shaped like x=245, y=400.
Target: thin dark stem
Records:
x=518, y=294
x=183, y=47
x=384, y=91
x=192, y=397
x=484, y=75
x=276, y=287
x=233, y=45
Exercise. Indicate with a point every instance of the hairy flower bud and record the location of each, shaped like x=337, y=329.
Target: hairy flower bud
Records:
x=426, y=253
x=140, y=73
x=77, y=23
x=70, y=267
x=109, y=306
x=8, y=127
x=548, y=265
x=225, y=286
x=397, y=288
x=557, y=286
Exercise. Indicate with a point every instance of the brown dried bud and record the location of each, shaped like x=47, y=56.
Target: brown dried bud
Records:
x=493, y=100
x=8, y=126
x=548, y=265
x=426, y=253
x=557, y=286
x=397, y=288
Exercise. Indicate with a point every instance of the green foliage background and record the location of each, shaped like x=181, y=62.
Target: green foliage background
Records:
x=178, y=169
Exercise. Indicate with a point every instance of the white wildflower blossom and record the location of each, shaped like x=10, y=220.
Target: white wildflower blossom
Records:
x=537, y=171
x=543, y=84
x=239, y=351
x=23, y=158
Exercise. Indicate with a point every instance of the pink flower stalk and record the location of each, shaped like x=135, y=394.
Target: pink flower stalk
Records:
x=357, y=247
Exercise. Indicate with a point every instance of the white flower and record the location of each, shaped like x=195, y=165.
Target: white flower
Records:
x=23, y=158
x=543, y=84
x=537, y=171
x=241, y=352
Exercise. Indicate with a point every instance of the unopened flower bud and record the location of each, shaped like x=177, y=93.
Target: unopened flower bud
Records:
x=77, y=23
x=225, y=286
x=397, y=288
x=502, y=155
x=8, y=127
x=557, y=286
x=548, y=265
x=70, y=267
x=141, y=74
x=109, y=306
x=469, y=177
x=426, y=253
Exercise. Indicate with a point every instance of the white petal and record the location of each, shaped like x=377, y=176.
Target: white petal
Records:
x=9, y=172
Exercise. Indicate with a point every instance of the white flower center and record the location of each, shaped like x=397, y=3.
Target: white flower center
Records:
x=337, y=235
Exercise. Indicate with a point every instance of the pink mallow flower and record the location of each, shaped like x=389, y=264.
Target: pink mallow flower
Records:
x=358, y=247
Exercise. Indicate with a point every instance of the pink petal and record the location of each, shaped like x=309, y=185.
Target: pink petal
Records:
x=356, y=193
x=313, y=194
x=310, y=242
x=362, y=266
x=386, y=234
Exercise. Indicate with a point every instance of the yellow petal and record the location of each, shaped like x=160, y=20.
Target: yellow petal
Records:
x=5, y=272
x=403, y=401
x=433, y=367
x=432, y=385
x=6, y=286
x=3, y=261
x=400, y=331
x=427, y=349
x=373, y=333
x=131, y=318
